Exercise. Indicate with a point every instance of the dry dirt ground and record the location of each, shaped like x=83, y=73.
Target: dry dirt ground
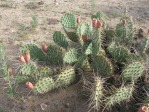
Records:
x=16, y=14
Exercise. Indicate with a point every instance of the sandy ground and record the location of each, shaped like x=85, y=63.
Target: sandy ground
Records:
x=17, y=12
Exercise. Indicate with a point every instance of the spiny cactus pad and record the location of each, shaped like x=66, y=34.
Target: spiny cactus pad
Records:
x=133, y=71
x=55, y=55
x=70, y=56
x=120, y=54
x=60, y=39
x=26, y=71
x=122, y=94
x=44, y=72
x=97, y=93
x=102, y=65
x=68, y=20
x=44, y=85
x=66, y=77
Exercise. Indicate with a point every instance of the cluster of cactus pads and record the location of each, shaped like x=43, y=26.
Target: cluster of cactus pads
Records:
x=110, y=61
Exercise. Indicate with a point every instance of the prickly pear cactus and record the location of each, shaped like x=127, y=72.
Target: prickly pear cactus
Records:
x=60, y=39
x=66, y=77
x=70, y=56
x=44, y=85
x=133, y=71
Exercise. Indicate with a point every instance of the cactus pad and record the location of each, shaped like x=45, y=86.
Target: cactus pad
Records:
x=66, y=77
x=133, y=71
x=102, y=65
x=70, y=56
x=97, y=93
x=120, y=54
x=122, y=94
x=44, y=72
x=60, y=39
x=68, y=20
x=44, y=85
x=55, y=55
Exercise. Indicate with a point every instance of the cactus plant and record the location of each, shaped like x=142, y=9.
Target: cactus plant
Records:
x=112, y=54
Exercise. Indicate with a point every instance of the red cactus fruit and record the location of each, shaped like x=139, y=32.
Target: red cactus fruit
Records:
x=21, y=59
x=10, y=71
x=44, y=47
x=94, y=22
x=78, y=20
x=143, y=109
x=27, y=56
x=84, y=38
x=99, y=24
x=29, y=85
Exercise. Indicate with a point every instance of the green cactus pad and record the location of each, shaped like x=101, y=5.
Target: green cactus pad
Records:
x=66, y=77
x=68, y=20
x=70, y=56
x=133, y=71
x=35, y=52
x=44, y=85
x=120, y=54
x=102, y=65
x=60, y=39
x=44, y=72
x=97, y=93
x=122, y=94
x=26, y=71
x=55, y=55
x=71, y=34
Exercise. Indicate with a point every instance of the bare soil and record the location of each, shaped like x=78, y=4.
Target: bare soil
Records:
x=14, y=13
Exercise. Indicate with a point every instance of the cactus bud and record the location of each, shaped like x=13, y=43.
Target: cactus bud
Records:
x=27, y=56
x=143, y=109
x=10, y=71
x=99, y=24
x=84, y=38
x=29, y=85
x=21, y=59
x=78, y=20
x=44, y=47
